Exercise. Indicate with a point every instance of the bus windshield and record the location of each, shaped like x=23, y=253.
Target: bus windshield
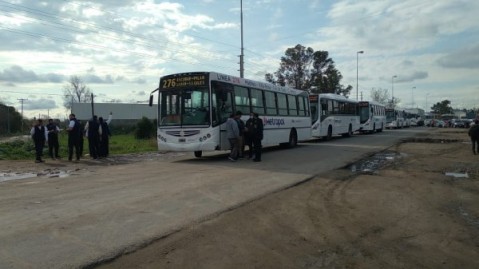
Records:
x=188, y=106
x=390, y=115
x=363, y=114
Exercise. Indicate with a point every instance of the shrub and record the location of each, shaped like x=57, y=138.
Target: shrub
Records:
x=145, y=129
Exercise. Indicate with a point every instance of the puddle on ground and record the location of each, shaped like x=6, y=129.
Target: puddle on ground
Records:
x=471, y=219
x=375, y=162
x=48, y=173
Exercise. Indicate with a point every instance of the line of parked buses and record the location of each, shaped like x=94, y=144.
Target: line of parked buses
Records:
x=193, y=109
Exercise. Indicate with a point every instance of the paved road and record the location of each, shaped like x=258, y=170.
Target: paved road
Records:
x=85, y=219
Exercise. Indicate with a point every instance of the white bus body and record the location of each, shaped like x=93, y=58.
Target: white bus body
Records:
x=394, y=118
x=372, y=116
x=333, y=114
x=193, y=109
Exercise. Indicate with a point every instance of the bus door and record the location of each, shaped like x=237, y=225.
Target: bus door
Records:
x=222, y=108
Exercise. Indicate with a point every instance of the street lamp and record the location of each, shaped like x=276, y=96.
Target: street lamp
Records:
x=392, y=88
x=357, y=73
x=426, y=102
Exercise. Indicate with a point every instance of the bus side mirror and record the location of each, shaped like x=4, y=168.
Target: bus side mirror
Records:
x=151, y=101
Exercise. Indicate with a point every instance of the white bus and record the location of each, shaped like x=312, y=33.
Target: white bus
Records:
x=193, y=109
x=372, y=116
x=333, y=114
x=394, y=118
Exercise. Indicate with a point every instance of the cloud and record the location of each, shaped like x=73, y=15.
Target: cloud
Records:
x=465, y=58
x=417, y=75
x=17, y=74
x=41, y=103
x=90, y=78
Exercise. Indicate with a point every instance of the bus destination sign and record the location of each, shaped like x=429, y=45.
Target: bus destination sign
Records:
x=184, y=80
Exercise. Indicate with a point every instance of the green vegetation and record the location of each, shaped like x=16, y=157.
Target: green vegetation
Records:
x=119, y=144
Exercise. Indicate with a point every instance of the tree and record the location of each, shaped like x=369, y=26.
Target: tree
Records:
x=75, y=92
x=380, y=96
x=442, y=107
x=11, y=120
x=303, y=68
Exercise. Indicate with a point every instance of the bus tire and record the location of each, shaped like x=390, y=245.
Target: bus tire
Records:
x=330, y=133
x=198, y=153
x=381, y=130
x=293, y=139
x=374, y=128
x=350, y=131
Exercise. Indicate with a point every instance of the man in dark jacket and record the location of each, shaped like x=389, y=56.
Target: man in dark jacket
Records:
x=92, y=131
x=39, y=136
x=75, y=136
x=254, y=127
x=474, y=134
x=104, y=138
x=53, y=145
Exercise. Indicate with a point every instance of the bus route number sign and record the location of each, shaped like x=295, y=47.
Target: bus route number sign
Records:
x=184, y=81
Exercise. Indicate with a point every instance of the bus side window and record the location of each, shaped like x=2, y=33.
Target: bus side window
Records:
x=222, y=102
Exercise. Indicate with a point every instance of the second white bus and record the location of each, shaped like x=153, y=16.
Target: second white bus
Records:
x=333, y=114
x=372, y=116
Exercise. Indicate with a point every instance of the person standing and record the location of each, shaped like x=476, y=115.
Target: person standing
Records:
x=104, y=138
x=74, y=137
x=53, y=145
x=241, y=128
x=232, y=133
x=474, y=134
x=93, y=134
x=39, y=135
x=248, y=137
x=254, y=126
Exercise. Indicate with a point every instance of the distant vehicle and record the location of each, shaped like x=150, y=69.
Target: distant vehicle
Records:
x=456, y=123
x=372, y=116
x=394, y=118
x=333, y=114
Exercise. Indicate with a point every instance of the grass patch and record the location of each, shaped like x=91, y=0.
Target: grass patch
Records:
x=23, y=149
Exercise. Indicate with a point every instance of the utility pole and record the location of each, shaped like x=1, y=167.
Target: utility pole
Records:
x=21, y=101
x=242, y=49
x=92, y=107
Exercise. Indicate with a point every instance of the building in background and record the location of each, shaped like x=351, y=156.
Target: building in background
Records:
x=123, y=114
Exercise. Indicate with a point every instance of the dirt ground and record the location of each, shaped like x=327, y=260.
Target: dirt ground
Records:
x=408, y=214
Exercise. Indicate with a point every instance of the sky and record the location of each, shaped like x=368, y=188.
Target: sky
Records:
x=423, y=52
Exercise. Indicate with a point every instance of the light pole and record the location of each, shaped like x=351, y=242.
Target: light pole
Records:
x=427, y=94
x=392, y=88
x=412, y=96
x=357, y=73
x=242, y=50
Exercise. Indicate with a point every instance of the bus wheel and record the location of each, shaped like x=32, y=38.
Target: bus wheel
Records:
x=293, y=139
x=330, y=133
x=198, y=154
x=380, y=130
x=374, y=128
x=350, y=131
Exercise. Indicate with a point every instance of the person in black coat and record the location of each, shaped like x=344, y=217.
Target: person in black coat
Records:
x=93, y=134
x=254, y=127
x=474, y=134
x=75, y=137
x=53, y=144
x=105, y=134
x=39, y=136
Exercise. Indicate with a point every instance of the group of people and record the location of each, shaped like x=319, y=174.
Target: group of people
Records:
x=96, y=130
x=240, y=134
x=45, y=134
